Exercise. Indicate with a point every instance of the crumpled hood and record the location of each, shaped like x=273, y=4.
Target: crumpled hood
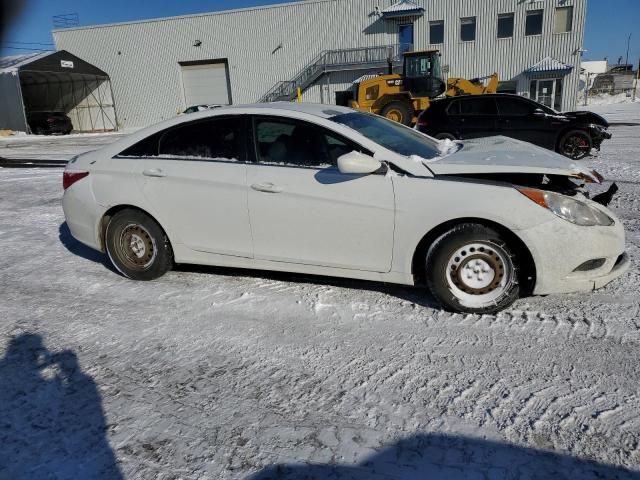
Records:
x=506, y=155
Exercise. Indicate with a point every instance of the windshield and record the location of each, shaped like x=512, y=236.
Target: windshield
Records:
x=391, y=135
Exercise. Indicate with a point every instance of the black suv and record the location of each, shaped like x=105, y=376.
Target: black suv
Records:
x=48, y=123
x=572, y=134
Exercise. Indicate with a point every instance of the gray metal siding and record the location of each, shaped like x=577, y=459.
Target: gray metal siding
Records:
x=270, y=44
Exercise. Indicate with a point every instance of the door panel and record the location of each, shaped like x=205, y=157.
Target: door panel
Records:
x=321, y=217
x=204, y=202
x=474, y=117
x=197, y=184
x=517, y=120
x=303, y=210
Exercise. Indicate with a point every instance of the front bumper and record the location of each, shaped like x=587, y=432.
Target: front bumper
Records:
x=560, y=249
x=599, y=135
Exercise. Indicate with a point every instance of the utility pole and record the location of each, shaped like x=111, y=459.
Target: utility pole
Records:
x=628, y=44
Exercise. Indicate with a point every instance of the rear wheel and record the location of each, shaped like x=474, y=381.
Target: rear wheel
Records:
x=471, y=269
x=576, y=144
x=137, y=246
x=401, y=112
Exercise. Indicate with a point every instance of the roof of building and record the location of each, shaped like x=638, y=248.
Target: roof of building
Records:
x=14, y=62
x=402, y=8
x=549, y=64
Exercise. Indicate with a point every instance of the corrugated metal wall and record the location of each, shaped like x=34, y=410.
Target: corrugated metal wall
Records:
x=270, y=44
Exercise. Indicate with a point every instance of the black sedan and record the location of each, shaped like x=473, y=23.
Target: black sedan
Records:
x=49, y=123
x=572, y=134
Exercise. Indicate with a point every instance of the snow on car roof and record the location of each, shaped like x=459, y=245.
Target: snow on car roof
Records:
x=316, y=109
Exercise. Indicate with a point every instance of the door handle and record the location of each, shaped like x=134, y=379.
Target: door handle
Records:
x=154, y=172
x=266, y=187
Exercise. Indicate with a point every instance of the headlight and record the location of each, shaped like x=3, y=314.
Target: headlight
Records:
x=567, y=208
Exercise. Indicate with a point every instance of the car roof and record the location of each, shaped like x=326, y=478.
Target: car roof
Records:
x=316, y=109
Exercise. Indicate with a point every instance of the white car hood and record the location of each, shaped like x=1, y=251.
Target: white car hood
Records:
x=506, y=155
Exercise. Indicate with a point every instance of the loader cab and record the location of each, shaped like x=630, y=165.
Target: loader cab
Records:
x=422, y=74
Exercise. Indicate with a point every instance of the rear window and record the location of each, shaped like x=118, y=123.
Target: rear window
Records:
x=391, y=135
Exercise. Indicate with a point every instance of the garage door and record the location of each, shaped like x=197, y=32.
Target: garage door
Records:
x=206, y=83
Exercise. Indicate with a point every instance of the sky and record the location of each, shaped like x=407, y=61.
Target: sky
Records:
x=609, y=22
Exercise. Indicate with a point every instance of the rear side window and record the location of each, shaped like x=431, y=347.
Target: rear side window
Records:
x=454, y=108
x=512, y=107
x=219, y=138
x=211, y=139
x=144, y=148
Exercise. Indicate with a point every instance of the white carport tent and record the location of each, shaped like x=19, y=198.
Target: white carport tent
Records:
x=55, y=81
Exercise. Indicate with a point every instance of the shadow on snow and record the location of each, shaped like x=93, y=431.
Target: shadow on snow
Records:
x=442, y=457
x=52, y=425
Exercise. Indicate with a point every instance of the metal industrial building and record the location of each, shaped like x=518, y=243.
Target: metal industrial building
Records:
x=158, y=67
x=55, y=82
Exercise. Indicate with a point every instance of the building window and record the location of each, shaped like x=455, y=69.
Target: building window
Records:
x=468, y=29
x=533, y=24
x=505, y=25
x=564, y=19
x=436, y=32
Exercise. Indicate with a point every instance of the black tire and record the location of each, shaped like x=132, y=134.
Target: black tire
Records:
x=401, y=112
x=575, y=144
x=446, y=136
x=137, y=247
x=471, y=250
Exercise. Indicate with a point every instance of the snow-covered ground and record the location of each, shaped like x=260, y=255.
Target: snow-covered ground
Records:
x=54, y=147
x=220, y=373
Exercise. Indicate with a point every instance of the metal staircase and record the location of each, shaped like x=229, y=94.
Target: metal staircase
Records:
x=335, y=61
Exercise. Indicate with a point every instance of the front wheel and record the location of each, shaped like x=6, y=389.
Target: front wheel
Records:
x=576, y=145
x=471, y=269
x=401, y=112
x=137, y=247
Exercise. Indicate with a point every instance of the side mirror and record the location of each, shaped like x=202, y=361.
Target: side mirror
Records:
x=538, y=112
x=357, y=163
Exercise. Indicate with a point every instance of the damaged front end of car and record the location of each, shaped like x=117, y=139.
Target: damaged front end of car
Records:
x=570, y=186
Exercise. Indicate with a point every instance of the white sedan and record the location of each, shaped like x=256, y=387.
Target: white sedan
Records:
x=326, y=190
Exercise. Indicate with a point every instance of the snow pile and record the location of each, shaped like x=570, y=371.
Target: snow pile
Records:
x=447, y=147
x=606, y=99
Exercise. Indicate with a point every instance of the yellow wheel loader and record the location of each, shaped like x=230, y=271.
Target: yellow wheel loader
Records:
x=402, y=97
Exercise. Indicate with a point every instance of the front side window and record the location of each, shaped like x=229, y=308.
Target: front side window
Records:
x=436, y=32
x=287, y=142
x=468, y=29
x=533, y=24
x=564, y=19
x=505, y=25
x=211, y=139
x=513, y=107
x=390, y=135
x=478, y=106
